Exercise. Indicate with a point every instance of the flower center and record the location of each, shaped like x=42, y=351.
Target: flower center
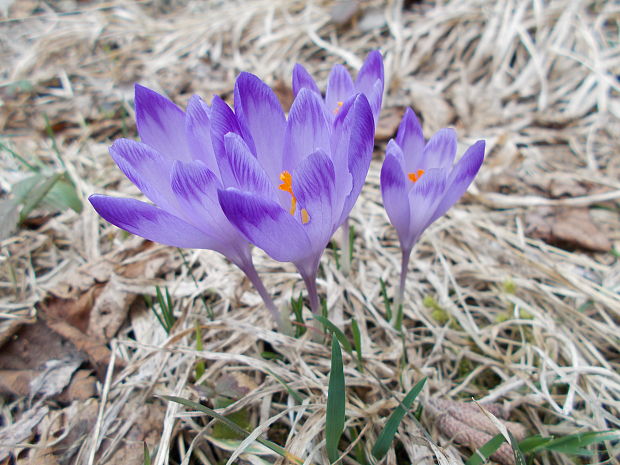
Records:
x=338, y=107
x=415, y=177
x=287, y=186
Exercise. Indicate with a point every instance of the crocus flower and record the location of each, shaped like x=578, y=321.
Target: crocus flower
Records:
x=419, y=182
x=340, y=87
x=290, y=183
x=175, y=167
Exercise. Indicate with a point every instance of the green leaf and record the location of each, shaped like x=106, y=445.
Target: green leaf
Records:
x=281, y=451
x=486, y=450
x=147, y=455
x=346, y=345
x=357, y=340
x=62, y=196
x=9, y=217
x=386, y=300
x=334, y=418
x=534, y=443
x=384, y=441
x=292, y=392
x=200, y=364
x=36, y=195
x=575, y=444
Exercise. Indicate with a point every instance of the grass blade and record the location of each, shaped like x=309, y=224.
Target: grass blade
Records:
x=334, y=420
x=292, y=392
x=357, y=340
x=384, y=441
x=344, y=342
x=147, y=455
x=281, y=451
x=486, y=450
x=575, y=444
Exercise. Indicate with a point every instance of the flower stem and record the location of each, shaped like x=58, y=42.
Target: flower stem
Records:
x=345, y=257
x=398, y=300
x=250, y=272
x=308, y=271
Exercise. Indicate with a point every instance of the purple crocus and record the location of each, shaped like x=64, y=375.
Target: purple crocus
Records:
x=175, y=167
x=419, y=182
x=340, y=87
x=290, y=183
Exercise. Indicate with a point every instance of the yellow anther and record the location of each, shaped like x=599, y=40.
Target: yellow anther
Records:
x=338, y=107
x=415, y=177
x=287, y=186
x=305, y=218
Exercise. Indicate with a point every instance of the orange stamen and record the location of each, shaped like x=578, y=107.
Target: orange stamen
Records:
x=305, y=218
x=338, y=107
x=415, y=177
x=287, y=186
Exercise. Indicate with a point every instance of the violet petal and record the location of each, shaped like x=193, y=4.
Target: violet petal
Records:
x=198, y=132
x=307, y=129
x=150, y=222
x=147, y=169
x=339, y=88
x=303, y=80
x=461, y=177
x=241, y=169
x=258, y=109
x=394, y=192
x=266, y=224
x=160, y=124
x=314, y=188
x=440, y=150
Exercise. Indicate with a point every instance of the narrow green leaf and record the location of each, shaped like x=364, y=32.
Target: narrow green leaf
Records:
x=36, y=195
x=384, y=441
x=514, y=444
x=357, y=340
x=386, y=300
x=9, y=217
x=575, y=444
x=534, y=444
x=62, y=196
x=200, y=364
x=292, y=392
x=281, y=451
x=351, y=242
x=486, y=450
x=346, y=345
x=335, y=416
x=21, y=159
x=147, y=455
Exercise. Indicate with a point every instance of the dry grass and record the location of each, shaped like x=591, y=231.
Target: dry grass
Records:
x=508, y=318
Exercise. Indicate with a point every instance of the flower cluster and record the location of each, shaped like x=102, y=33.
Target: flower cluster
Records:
x=225, y=178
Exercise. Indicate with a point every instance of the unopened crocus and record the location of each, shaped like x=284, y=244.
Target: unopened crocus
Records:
x=290, y=182
x=420, y=182
x=175, y=167
x=340, y=87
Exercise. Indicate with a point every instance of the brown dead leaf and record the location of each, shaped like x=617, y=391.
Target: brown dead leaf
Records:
x=16, y=382
x=567, y=228
x=74, y=424
x=111, y=307
x=16, y=433
x=96, y=349
x=33, y=345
